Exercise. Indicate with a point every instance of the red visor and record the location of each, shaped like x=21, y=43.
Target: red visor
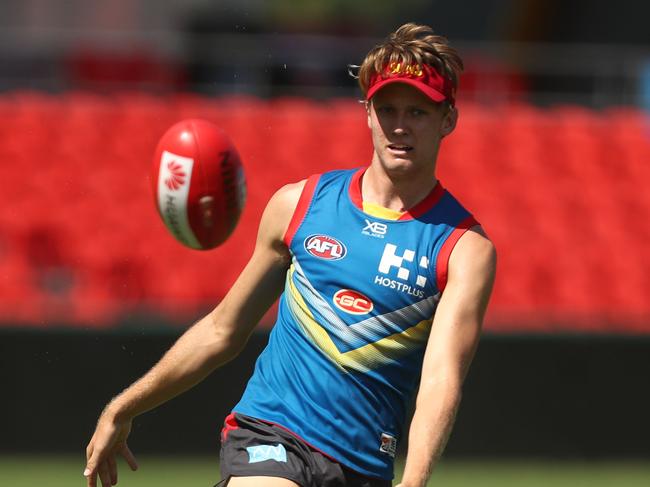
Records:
x=423, y=77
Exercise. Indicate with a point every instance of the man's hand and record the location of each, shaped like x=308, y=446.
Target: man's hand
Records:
x=455, y=334
x=108, y=441
x=209, y=343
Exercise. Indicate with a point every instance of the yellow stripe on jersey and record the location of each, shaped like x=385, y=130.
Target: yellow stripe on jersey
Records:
x=381, y=212
x=364, y=358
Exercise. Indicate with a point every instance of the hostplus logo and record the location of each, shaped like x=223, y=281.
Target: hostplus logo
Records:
x=392, y=265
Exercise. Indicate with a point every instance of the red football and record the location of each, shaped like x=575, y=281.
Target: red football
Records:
x=198, y=183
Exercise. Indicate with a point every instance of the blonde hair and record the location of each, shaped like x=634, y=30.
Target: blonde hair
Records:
x=408, y=45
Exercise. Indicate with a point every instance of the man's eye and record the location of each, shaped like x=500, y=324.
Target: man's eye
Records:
x=384, y=109
x=417, y=112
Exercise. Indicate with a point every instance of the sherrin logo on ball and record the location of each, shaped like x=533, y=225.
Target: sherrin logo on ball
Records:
x=198, y=183
x=325, y=247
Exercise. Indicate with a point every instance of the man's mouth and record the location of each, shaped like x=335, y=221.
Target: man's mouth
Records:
x=400, y=147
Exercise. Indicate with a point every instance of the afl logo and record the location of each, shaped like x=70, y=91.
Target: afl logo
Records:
x=325, y=247
x=352, y=302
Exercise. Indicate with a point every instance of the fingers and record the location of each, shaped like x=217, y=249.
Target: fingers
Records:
x=91, y=477
x=93, y=466
x=90, y=473
x=129, y=457
x=106, y=470
x=112, y=468
x=100, y=463
x=100, y=454
x=104, y=474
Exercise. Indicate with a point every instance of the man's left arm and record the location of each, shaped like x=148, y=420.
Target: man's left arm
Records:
x=454, y=337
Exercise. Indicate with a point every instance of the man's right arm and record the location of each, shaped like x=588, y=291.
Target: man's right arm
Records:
x=208, y=344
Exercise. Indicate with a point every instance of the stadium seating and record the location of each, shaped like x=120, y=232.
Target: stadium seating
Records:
x=558, y=190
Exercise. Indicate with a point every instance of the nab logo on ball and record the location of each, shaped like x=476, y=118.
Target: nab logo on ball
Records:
x=352, y=302
x=325, y=247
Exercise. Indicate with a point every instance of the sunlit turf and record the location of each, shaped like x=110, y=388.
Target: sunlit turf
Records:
x=66, y=471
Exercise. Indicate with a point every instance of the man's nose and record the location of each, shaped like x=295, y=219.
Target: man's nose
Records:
x=401, y=124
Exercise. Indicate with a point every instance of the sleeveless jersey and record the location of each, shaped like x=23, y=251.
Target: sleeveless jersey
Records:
x=344, y=357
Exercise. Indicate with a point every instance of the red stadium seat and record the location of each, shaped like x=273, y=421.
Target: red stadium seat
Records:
x=556, y=189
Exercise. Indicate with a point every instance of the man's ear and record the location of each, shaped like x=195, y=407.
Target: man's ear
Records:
x=449, y=122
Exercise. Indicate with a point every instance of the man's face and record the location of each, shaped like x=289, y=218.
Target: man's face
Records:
x=407, y=127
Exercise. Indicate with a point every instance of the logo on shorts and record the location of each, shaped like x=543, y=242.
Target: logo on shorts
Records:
x=262, y=453
x=352, y=302
x=325, y=247
x=388, y=445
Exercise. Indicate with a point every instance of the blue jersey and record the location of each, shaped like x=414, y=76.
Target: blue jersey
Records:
x=344, y=357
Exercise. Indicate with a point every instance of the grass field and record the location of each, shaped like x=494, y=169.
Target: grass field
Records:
x=24, y=471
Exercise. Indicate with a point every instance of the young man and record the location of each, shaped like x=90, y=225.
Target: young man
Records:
x=386, y=280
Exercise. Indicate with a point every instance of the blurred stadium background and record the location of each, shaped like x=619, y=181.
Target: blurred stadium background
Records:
x=552, y=154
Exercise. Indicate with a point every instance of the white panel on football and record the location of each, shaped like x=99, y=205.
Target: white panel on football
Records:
x=173, y=190
x=241, y=185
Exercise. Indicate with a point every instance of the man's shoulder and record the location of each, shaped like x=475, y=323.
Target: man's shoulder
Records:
x=448, y=210
x=452, y=203
x=290, y=192
x=474, y=253
x=295, y=189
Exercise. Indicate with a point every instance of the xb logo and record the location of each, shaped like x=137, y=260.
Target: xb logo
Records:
x=375, y=229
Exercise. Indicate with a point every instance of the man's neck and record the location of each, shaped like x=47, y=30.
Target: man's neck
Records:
x=398, y=193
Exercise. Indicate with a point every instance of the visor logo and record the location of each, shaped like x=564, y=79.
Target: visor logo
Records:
x=397, y=68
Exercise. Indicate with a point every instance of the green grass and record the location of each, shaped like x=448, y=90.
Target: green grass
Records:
x=53, y=471
x=541, y=474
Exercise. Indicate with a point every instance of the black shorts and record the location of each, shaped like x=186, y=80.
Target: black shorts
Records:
x=251, y=447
